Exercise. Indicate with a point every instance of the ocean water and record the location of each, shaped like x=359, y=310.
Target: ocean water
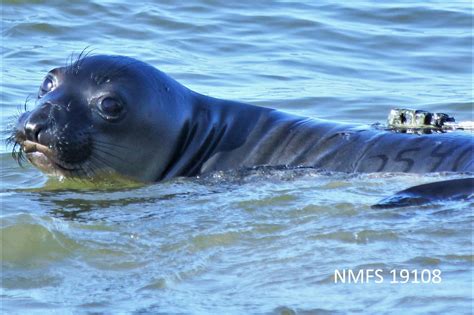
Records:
x=261, y=242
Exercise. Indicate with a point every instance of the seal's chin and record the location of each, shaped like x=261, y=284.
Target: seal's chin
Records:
x=45, y=159
x=44, y=164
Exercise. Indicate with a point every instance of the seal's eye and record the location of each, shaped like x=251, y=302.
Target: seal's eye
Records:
x=110, y=108
x=47, y=86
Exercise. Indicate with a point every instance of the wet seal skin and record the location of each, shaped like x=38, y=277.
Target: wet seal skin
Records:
x=105, y=115
x=454, y=189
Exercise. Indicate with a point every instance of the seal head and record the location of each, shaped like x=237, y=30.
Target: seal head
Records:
x=104, y=114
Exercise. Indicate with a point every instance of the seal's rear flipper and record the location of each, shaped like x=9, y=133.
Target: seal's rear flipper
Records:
x=455, y=189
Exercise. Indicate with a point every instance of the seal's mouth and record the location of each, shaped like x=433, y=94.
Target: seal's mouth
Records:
x=31, y=146
x=44, y=157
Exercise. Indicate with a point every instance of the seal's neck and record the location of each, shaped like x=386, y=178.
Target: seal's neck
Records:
x=213, y=125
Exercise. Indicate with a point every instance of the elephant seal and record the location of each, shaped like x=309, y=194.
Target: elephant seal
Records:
x=114, y=114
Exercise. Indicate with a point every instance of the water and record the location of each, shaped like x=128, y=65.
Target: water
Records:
x=259, y=242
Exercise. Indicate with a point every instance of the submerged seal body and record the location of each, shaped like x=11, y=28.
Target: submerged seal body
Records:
x=113, y=114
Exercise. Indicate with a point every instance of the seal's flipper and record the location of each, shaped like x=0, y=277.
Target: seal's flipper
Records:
x=455, y=189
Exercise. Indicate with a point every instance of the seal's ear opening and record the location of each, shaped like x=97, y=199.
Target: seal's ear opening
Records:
x=455, y=189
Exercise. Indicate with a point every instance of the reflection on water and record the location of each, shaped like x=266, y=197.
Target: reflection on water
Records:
x=219, y=242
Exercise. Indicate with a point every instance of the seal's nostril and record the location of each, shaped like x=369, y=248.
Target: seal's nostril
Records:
x=32, y=131
x=36, y=135
x=36, y=122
